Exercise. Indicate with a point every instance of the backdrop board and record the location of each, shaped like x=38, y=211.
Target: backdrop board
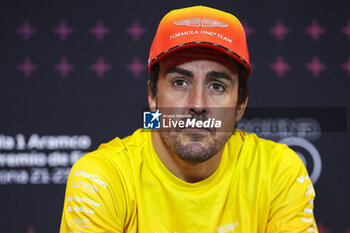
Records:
x=73, y=74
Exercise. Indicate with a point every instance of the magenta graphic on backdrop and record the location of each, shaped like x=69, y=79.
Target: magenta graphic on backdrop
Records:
x=26, y=30
x=136, y=67
x=100, y=67
x=279, y=30
x=280, y=66
x=315, y=66
x=63, y=30
x=64, y=67
x=27, y=67
x=135, y=30
x=100, y=30
x=315, y=30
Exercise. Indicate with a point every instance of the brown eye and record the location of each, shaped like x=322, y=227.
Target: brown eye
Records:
x=217, y=87
x=179, y=83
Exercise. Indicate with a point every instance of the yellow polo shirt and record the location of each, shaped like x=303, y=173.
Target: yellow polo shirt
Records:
x=259, y=186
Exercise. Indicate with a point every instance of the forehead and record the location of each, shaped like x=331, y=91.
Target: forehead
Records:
x=197, y=54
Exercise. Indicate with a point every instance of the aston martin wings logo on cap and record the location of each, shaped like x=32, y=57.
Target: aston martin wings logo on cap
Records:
x=197, y=22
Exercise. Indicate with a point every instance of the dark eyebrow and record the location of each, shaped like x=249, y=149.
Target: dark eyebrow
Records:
x=180, y=71
x=219, y=75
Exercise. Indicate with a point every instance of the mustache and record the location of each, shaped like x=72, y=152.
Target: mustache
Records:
x=197, y=117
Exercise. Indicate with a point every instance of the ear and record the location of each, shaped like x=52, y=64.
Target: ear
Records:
x=151, y=99
x=241, y=109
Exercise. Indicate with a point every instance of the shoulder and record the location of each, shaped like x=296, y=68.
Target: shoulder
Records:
x=251, y=140
x=117, y=151
x=265, y=152
x=252, y=143
x=115, y=158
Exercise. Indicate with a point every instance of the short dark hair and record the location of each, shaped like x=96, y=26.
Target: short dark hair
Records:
x=243, y=90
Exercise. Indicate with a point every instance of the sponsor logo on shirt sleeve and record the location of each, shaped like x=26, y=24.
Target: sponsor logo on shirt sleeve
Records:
x=93, y=177
x=84, y=200
x=86, y=187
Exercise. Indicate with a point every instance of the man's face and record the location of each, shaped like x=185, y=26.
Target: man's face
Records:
x=202, y=83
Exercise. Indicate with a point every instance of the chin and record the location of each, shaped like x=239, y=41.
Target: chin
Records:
x=195, y=151
x=192, y=146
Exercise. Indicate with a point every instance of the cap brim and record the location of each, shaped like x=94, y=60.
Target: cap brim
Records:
x=202, y=44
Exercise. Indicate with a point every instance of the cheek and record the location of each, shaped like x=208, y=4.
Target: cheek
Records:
x=227, y=116
x=166, y=100
x=168, y=97
x=234, y=96
x=227, y=100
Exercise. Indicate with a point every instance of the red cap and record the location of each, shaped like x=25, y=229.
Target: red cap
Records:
x=200, y=26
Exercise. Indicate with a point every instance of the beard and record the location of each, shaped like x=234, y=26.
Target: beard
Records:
x=195, y=147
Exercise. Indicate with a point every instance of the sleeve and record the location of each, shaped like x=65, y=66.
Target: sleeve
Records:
x=292, y=196
x=95, y=199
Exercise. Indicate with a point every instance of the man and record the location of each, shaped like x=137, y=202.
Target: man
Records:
x=192, y=178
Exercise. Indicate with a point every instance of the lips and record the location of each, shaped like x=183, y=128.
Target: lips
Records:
x=196, y=129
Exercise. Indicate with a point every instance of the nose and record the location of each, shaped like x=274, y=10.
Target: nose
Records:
x=197, y=101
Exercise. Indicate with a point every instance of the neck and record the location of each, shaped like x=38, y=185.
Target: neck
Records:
x=186, y=171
